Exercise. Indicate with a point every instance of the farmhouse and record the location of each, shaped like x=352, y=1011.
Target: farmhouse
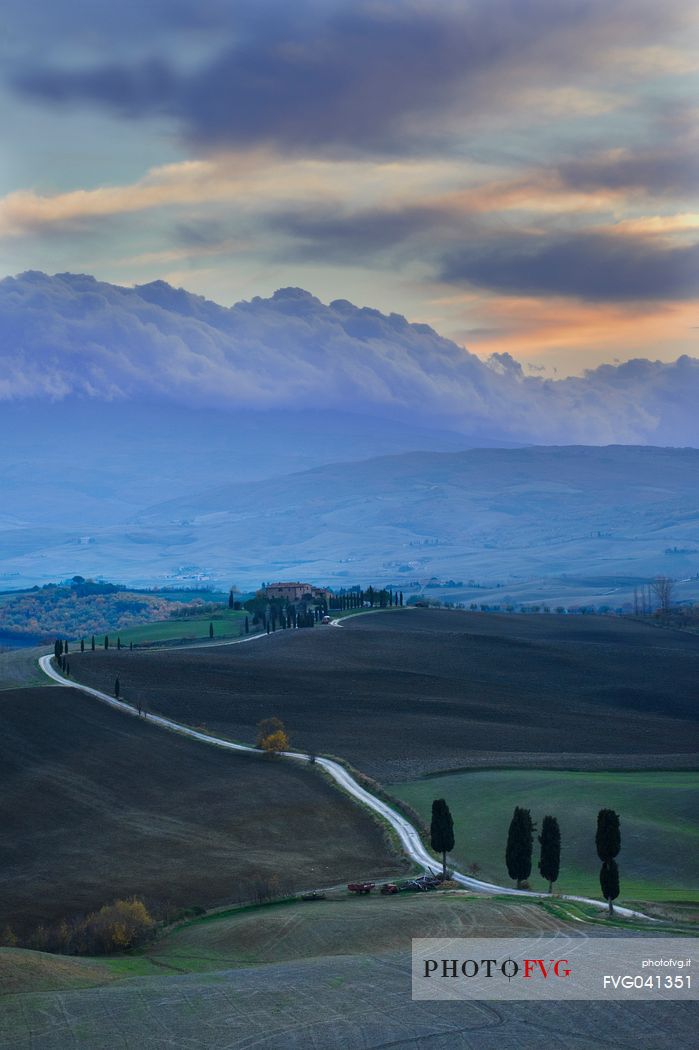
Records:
x=296, y=592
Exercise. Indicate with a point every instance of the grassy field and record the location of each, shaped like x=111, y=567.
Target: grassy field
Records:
x=342, y=925
x=404, y=693
x=345, y=925
x=96, y=805
x=660, y=833
x=24, y=971
x=19, y=668
x=328, y=976
x=227, y=624
x=290, y=930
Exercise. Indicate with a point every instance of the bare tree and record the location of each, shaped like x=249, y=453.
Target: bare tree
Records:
x=663, y=590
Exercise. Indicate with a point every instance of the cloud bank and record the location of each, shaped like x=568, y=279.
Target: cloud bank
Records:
x=72, y=336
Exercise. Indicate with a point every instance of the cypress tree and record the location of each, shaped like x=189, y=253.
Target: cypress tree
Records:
x=106, y=641
x=82, y=645
x=550, y=859
x=608, y=837
x=116, y=687
x=442, y=831
x=67, y=669
x=130, y=646
x=609, y=881
x=65, y=648
x=57, y=650
x=230, y=598
x=608, y=843
x=93, y=643
x=520, y=838
x=211, y=630
x=118, y=641
x=401, y=598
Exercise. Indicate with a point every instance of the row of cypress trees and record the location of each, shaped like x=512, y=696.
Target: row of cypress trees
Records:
x=518, y=854
x=385, y=598
x=520, y=846
x=60, y=646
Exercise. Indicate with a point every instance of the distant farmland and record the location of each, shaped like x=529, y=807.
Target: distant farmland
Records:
x=404, y=693
x=95, y=805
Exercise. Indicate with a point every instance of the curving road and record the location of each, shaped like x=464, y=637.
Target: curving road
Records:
x=407, y=834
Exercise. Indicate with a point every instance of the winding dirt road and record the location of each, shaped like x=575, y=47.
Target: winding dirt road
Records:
x=407, y=834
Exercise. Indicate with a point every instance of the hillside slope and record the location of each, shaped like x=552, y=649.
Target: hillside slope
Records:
x=408, y=692
x=95, y=806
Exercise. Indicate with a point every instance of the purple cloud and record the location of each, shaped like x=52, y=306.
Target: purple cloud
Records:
x=592, y=266
x=72, y=336
x=353, y=76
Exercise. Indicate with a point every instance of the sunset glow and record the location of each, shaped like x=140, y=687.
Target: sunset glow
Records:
x=521, y=181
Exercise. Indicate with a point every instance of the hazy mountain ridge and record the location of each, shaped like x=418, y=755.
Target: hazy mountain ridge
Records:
x=492, y=515
x=108, y=460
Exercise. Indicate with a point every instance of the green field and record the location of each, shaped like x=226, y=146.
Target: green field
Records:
x=20, y=668
x=660, y=834
x=290, y=930
x=227, y=624
x=341, y=925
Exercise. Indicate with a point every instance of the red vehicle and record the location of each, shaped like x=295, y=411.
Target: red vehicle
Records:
x=360, y=887
x=389, y=887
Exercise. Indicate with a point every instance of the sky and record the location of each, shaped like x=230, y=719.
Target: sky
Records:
x=519, y=174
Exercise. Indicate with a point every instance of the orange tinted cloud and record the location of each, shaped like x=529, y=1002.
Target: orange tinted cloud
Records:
x=572, y=335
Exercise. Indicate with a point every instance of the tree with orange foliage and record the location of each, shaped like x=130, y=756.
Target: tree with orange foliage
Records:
x=272, y=736
x=276, y=742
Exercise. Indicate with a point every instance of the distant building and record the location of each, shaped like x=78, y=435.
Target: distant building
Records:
x=296, y=592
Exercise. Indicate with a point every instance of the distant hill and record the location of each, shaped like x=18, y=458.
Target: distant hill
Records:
x=494, y=516
x=87, y=463
x=499, y=514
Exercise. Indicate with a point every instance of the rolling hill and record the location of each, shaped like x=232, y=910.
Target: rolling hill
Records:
x=404, y=693
x=329, y=977
x=493, y=515
x=563, y=523
x=96, y=806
